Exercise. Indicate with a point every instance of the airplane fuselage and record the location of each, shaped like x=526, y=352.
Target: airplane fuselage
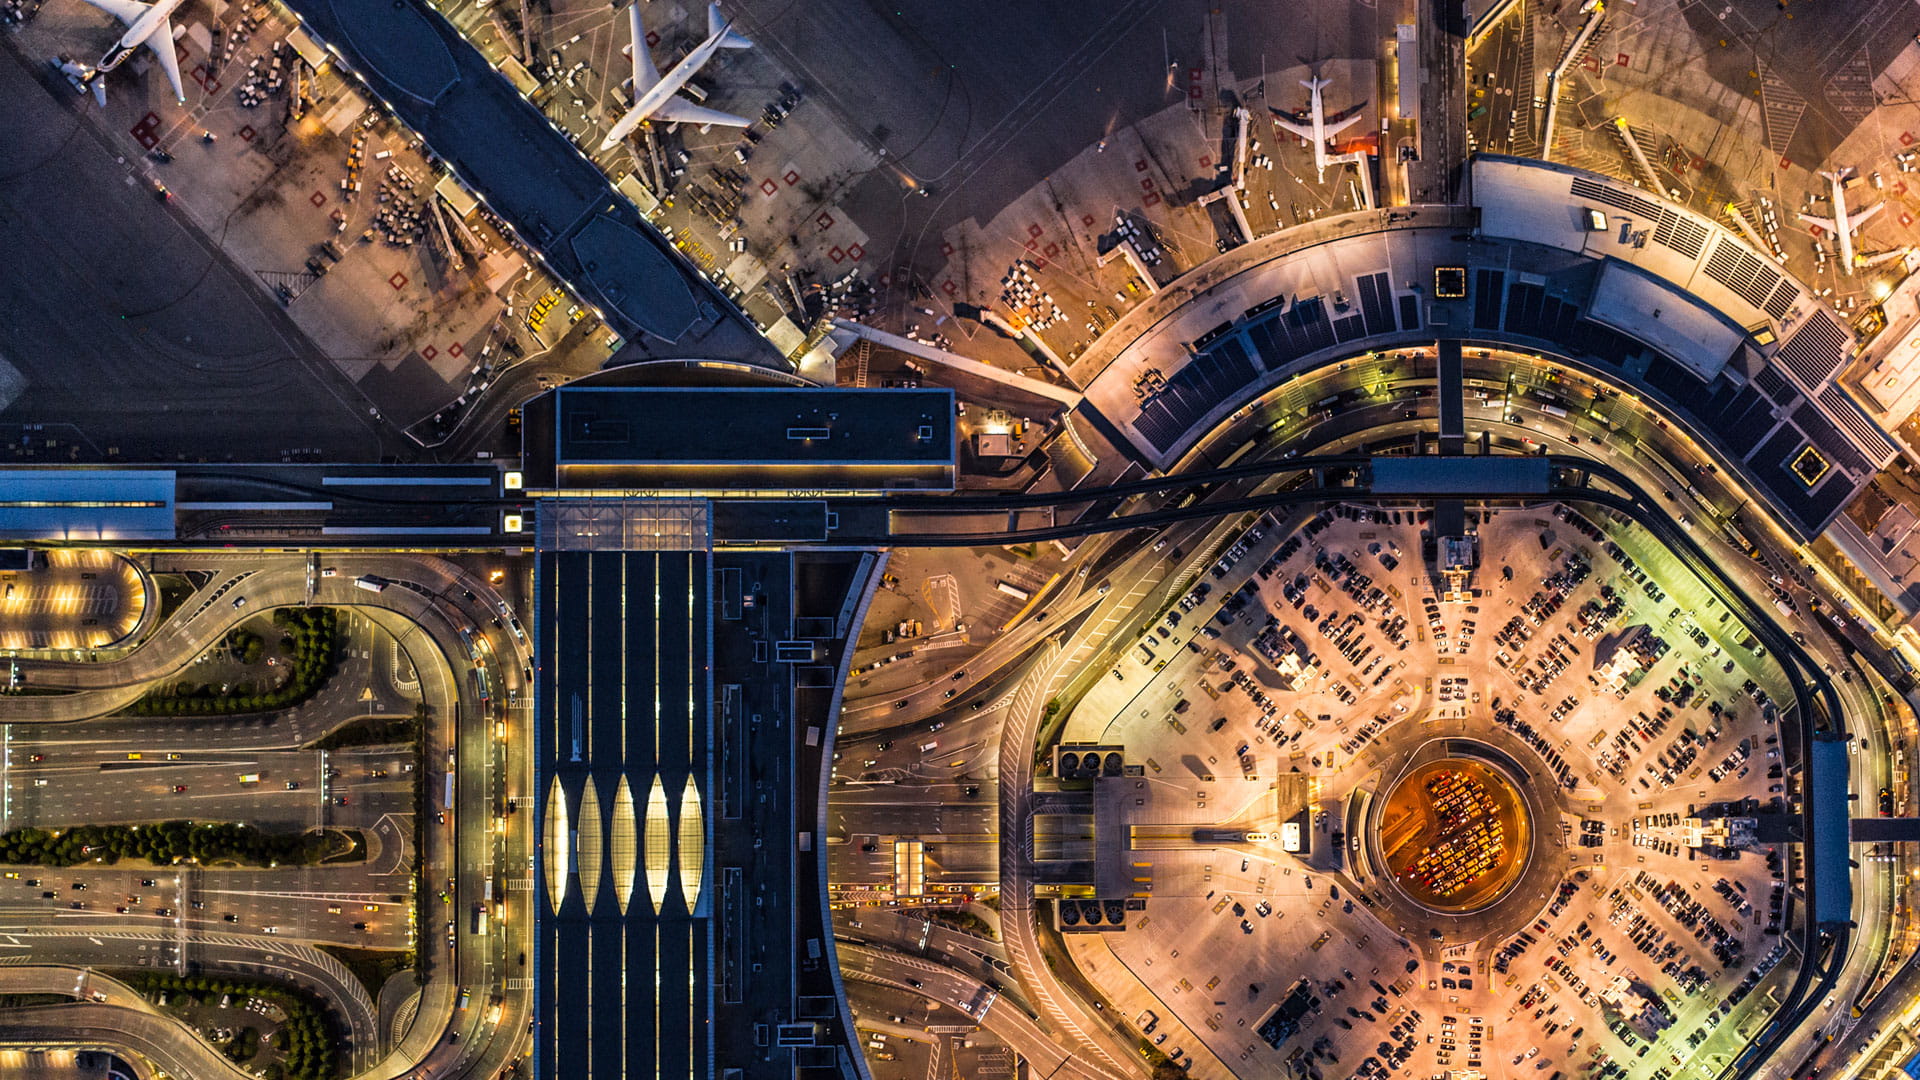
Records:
x=1319, y=131
x=673, y=80
x=1842, y=227
x=137, y=34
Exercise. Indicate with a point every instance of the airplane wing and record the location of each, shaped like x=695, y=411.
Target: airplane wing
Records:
x=127, y=11
x=644, y=73
x=1824, y=222
x=1331, y=127
x=682, y=111
x=161, y=42
x=1859, y=217
x=1304, y=131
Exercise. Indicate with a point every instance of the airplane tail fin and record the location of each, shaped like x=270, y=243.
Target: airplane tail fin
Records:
x=99, y=89
x=717, y=27
x=644, y=73
x=1316, y=84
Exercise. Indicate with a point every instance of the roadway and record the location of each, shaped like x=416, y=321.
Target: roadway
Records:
x=425, y=610
x=974, y=1000
x=1728, y=558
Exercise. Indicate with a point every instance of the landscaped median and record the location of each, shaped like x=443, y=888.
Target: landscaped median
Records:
x=313, y=636
x=272, y=1030
x=168, y=842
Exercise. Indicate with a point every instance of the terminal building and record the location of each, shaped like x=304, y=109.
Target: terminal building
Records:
x=587, y=440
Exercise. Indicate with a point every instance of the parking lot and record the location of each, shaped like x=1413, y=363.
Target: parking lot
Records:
x=1309, y=653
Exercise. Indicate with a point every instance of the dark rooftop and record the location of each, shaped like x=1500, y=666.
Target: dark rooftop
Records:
x=698, y=437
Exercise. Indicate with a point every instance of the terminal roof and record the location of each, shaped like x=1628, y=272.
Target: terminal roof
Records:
x=739, y=437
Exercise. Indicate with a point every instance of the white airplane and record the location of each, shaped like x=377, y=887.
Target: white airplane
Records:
x=1844, y=224
x=147, y=24
x=654, y=95
x=1318, y=130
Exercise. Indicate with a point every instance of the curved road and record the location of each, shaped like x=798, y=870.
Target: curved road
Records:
x=426, y=608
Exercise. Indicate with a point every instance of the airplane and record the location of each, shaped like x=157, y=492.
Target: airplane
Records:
x=1318, y=131
x=147, y=24
x=654, y=95
x=1843, y=224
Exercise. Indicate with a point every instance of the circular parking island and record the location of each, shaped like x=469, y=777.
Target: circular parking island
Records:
x=1454, y=834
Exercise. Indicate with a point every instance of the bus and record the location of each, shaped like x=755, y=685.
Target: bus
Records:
x=447, y=803
x=479, y=918
x=250, y=778
x=1014, y=591
x=370, y=583
x=466, y=998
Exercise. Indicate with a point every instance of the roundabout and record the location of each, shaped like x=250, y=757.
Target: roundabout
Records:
x=1454, y=835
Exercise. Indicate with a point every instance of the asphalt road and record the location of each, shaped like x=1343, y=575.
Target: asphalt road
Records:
x=426, y=620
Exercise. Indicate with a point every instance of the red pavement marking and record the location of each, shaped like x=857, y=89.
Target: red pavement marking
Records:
x=1786, y=163
x=398, y=281
x=1906, y=219
x=150, y=120
x=836, y=254
x=1146, y=183
x=146, y=139
x=1033, y=245
x=1086, y=220
x=1592, y=63
x=946, y=249
x=198, y=75
x=1034, y=231
x=212, y=84
x=1899, y=187
x=1050, y=250
x=949, y=288
x=769, y=187
x=318, y=198
x=791, y=177
x=1152, y=199
x=456, y=349
x=429, y=352
x=246, y=133
x=1621, y=59
x=1206, y=161
x=1906, y=138
x=1698, y=164
x=1039, y=264
x=856, y=252
x=1816, y=230
x=825, y=221
x=653, y=39
x=1140, y=166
